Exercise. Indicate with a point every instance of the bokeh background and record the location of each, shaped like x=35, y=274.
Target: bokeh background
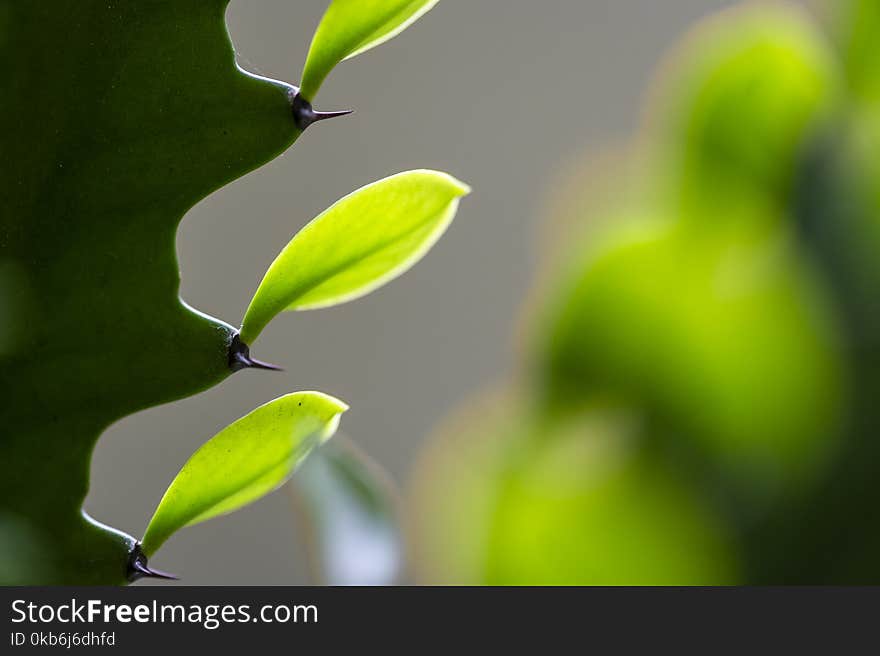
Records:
x=511, y=96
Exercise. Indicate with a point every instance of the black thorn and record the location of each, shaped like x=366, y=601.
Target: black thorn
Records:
x=240, y=358
x=138, y=568
x=322, y=116
x=304, y=115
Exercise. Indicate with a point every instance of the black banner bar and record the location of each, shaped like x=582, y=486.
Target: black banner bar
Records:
x=550, y=620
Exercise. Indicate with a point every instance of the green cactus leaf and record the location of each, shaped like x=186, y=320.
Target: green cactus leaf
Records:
x=350, y=27
x=245, y=461
x=397, y=220
x=117, y=118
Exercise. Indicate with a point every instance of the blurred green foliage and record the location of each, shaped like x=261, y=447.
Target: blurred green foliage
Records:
x=718, y=332
x=349, y=512
x=858, y=24
x=697, y=404
x=636, y=521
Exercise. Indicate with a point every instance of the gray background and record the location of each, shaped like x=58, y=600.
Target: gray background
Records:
x=504, y=94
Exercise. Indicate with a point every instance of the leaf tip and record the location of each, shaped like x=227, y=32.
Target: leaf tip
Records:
x=463, y=189
x=333, y=425
x=336, y=406
x=328, y=407
x=457, y=188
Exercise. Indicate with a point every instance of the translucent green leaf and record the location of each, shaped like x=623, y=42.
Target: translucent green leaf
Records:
x=246, y=460
x=349, y=511
x=350, y=27
x=363, y=241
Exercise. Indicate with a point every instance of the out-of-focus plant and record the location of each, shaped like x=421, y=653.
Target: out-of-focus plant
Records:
x=697, y=402
x=350, y=514
x=118, y=117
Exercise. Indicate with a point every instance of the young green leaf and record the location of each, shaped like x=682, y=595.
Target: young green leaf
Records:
x=350, y=27
x=363, y=241
x=245, y=461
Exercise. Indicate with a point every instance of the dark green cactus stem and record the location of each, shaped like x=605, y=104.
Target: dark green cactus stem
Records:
x=117, y=118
